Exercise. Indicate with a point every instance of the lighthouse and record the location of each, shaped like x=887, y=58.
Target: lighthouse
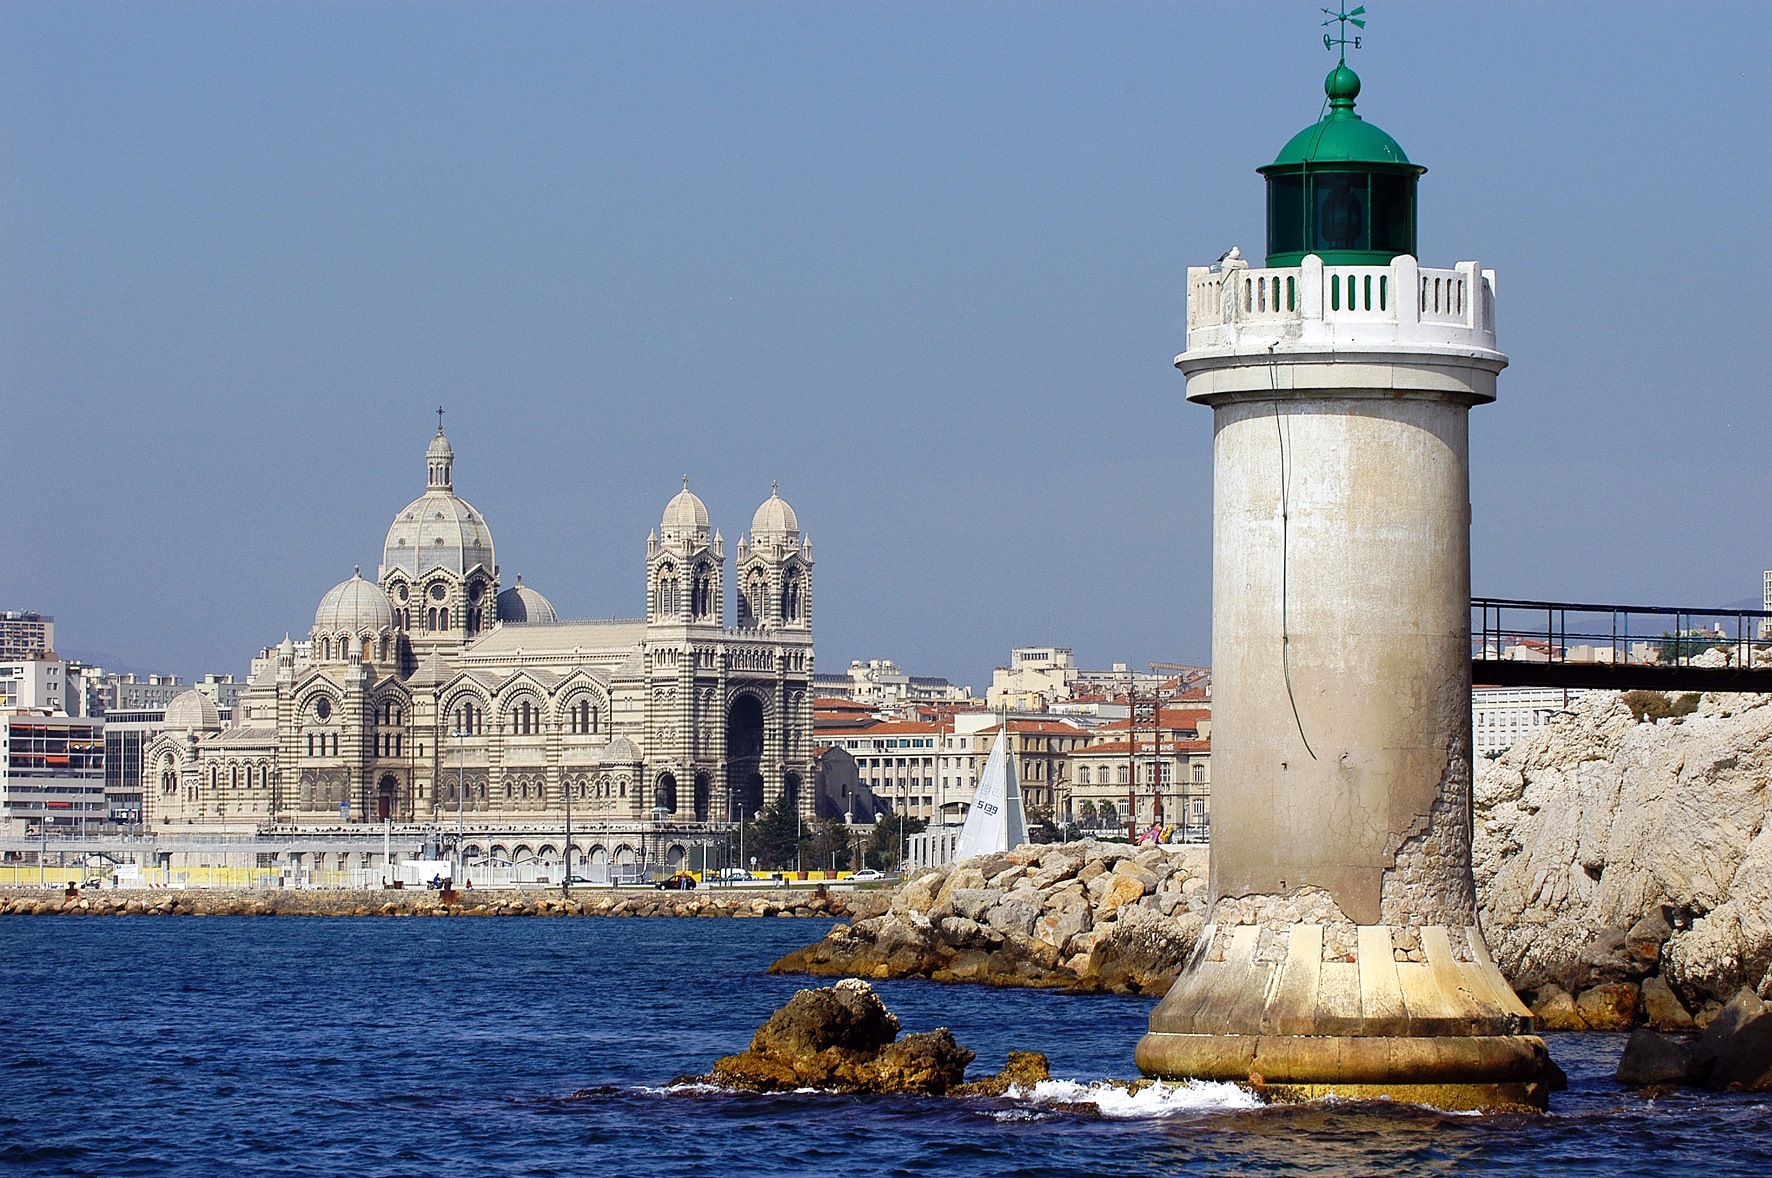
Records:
x=1342, y=953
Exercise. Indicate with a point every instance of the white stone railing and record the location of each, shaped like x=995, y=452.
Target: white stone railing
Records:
x=1316, y=304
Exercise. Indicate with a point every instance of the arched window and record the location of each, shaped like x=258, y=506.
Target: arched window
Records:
x=790, y=599
x=702, y=601
x=667, y=591
x=467, y=719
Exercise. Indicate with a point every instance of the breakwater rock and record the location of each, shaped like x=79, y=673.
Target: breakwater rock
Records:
x=306, y=902
x=1733, y=1055
x=843, y=1039
x=1084, y=916
x=1624, y=863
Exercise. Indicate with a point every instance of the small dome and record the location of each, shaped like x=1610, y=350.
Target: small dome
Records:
x=775, y=518
x=684, y=514
x=620, y=751
x=354, y=605
x=439, y=447
x=192, y=711
x=524, y=606
x=1342, y=136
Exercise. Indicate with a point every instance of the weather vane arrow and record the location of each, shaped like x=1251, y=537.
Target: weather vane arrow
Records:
x=1344, y=18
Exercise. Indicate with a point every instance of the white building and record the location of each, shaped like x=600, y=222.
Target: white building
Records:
x=1501, y=716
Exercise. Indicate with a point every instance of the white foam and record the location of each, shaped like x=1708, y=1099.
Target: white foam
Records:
x=1160, y=1099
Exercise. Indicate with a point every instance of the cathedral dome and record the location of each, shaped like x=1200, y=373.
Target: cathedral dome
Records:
x=620, y=751
x=354, y=605
x=439, y=529
x=684, y=514
x=523, y=605
x=775, y=518
x=191, y=710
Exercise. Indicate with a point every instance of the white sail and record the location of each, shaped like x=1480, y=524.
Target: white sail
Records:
x=996, y=821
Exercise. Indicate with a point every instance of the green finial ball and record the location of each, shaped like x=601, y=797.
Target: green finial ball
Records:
x=1342, y=85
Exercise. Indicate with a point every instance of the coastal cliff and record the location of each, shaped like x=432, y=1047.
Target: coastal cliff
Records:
x=1613, y=850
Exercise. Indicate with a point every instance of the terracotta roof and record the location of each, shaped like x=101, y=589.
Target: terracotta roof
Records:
x=1119, y=747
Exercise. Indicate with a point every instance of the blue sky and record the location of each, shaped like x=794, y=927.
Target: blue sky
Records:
x=922, y=263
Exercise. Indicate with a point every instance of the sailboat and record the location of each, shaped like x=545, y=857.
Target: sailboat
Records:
x=996, y=821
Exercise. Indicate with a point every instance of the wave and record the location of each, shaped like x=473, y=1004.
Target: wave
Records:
x=1159, y=1099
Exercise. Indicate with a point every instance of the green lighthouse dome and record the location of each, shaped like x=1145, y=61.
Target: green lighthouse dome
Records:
x=1341, y=188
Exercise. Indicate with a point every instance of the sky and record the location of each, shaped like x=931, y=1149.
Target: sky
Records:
x=923, y=263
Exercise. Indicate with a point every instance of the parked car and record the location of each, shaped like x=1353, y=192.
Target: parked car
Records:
x=680, y=882
x=867, y=875
x=576, y=881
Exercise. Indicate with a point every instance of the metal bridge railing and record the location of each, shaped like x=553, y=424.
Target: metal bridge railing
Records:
x=1518, y=642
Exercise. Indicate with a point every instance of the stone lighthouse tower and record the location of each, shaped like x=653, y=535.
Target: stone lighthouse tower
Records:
x=1342, y=953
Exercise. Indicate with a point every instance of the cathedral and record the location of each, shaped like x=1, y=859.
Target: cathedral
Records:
x=435, y=695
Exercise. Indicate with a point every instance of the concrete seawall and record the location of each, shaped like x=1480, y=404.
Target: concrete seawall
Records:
x=487, y=902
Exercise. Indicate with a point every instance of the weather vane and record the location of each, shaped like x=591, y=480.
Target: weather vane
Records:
x=1344, y=18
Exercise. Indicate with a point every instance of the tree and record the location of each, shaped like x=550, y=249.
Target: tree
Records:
x=1107, y=814
x=1041, y=828
x=885, y=849
x=1683, y=648
x=832, y=836
x=775, y=838
x=1086, y=815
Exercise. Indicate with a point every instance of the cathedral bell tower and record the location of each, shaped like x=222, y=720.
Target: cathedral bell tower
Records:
x=1342, y=953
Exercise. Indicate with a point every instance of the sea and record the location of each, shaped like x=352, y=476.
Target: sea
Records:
x=531, y=1046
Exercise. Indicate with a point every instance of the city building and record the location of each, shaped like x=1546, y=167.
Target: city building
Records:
x=25, y=635
x=52, y=773
x=1502, y=716
x=34, y=684
x=435, y=694
x=881, y=684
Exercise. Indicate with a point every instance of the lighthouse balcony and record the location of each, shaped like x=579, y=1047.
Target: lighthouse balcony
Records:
x=1317, y=306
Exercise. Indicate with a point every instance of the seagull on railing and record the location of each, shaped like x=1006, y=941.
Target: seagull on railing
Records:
x=1230, y=255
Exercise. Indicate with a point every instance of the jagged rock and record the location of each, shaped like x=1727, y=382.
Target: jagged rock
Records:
x=842, y=1038
x=1662, y=1007
x=1023, y=1071
x=1091, y=916
x=1601, y=823
x=1653, y=1058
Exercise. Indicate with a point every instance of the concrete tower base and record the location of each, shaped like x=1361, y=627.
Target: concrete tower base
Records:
x=1417, y=1014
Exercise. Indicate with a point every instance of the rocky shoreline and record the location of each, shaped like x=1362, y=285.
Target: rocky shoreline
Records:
x=221, y=902
x=1085, y=917
x=1623, y=865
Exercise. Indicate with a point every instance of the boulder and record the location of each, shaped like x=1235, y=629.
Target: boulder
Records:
x=1662, y=1008
x=1653, y=1058
x=1735, y=1051
x=1555, y=1010
x=1609, y=1007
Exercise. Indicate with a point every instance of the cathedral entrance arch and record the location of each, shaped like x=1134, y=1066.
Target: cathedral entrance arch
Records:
x=744, y=757
x=664, y=793
x=385, y=793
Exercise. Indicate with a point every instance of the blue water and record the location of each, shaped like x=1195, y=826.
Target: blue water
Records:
x=535, y=1046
